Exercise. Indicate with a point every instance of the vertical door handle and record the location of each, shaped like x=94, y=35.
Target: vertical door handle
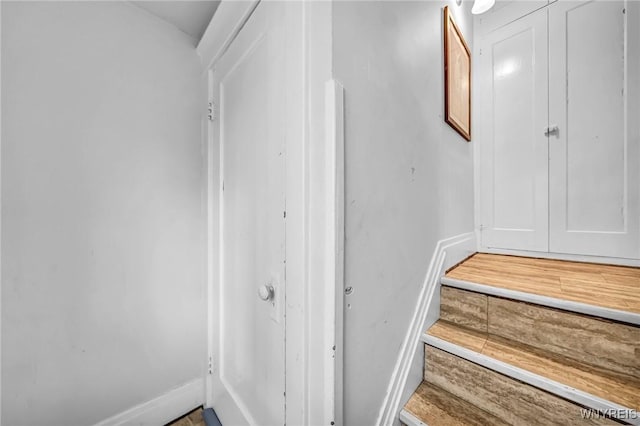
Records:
x=553, y=130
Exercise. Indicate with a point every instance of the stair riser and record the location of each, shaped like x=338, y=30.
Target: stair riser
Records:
x=597, y=342
x=464, y=308
x=505, y=398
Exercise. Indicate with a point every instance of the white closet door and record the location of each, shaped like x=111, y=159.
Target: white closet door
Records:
x=513, y=81
x=250, y=88
x=594, y=156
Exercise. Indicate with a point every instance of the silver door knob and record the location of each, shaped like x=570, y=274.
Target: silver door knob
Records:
x=265, y=292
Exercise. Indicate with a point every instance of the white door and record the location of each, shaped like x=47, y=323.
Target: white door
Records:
x=594, y=102
x=572, y=68
x=249, y=351
x=512, y=73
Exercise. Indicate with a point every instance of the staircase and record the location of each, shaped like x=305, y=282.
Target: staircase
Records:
x=523, y=341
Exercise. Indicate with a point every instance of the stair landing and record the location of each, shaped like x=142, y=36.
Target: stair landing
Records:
x=608, y=287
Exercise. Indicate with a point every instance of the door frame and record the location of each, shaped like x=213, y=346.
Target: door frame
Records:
x=0, y=214
x=315, y=211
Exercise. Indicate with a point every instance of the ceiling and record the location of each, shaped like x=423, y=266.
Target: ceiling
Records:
x=191, y=17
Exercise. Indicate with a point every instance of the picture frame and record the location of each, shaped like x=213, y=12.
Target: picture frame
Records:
x=457, y=77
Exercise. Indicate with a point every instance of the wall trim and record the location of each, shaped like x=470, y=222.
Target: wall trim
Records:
x=0, y=216
x=564, y=256
x=447, y=253
x=223, y=29
x=334, y=252
x=316, y=321
x=163, y=408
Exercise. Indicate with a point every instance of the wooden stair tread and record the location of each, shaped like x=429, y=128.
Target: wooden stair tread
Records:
x=436, y=407
x=612, y=387
x=601, y=343
x=608, y=286
x=514, y=401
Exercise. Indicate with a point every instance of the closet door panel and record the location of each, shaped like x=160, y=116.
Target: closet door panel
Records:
x=514, y=158
x=594, y=159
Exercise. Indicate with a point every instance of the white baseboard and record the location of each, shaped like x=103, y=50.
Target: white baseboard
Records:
x=162, y=409
x=564, y=256
x=407, y=371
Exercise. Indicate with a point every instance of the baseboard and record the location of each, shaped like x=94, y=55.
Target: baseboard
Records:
x=565, y=256
x=163, y=409
x=408, y=368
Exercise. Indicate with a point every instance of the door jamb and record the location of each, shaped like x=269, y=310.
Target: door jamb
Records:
x=0, y=218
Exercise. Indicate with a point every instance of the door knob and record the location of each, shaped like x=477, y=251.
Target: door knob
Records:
x=265, y=292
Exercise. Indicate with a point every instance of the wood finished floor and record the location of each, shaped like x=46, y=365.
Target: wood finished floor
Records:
x=613, y=387
x=609, y=286
x=193, y=418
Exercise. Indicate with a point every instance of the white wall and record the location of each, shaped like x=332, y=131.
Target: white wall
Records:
x=102, y=225
x=409, y=178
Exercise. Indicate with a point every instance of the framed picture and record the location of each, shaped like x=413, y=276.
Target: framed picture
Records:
x=457, y=78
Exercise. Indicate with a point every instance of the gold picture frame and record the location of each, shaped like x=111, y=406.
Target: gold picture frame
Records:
x=457, y=78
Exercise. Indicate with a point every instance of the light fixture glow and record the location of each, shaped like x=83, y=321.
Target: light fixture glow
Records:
x=481, y=6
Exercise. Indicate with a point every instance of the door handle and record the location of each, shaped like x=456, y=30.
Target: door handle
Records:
x=553, y=130
x=266, y=292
